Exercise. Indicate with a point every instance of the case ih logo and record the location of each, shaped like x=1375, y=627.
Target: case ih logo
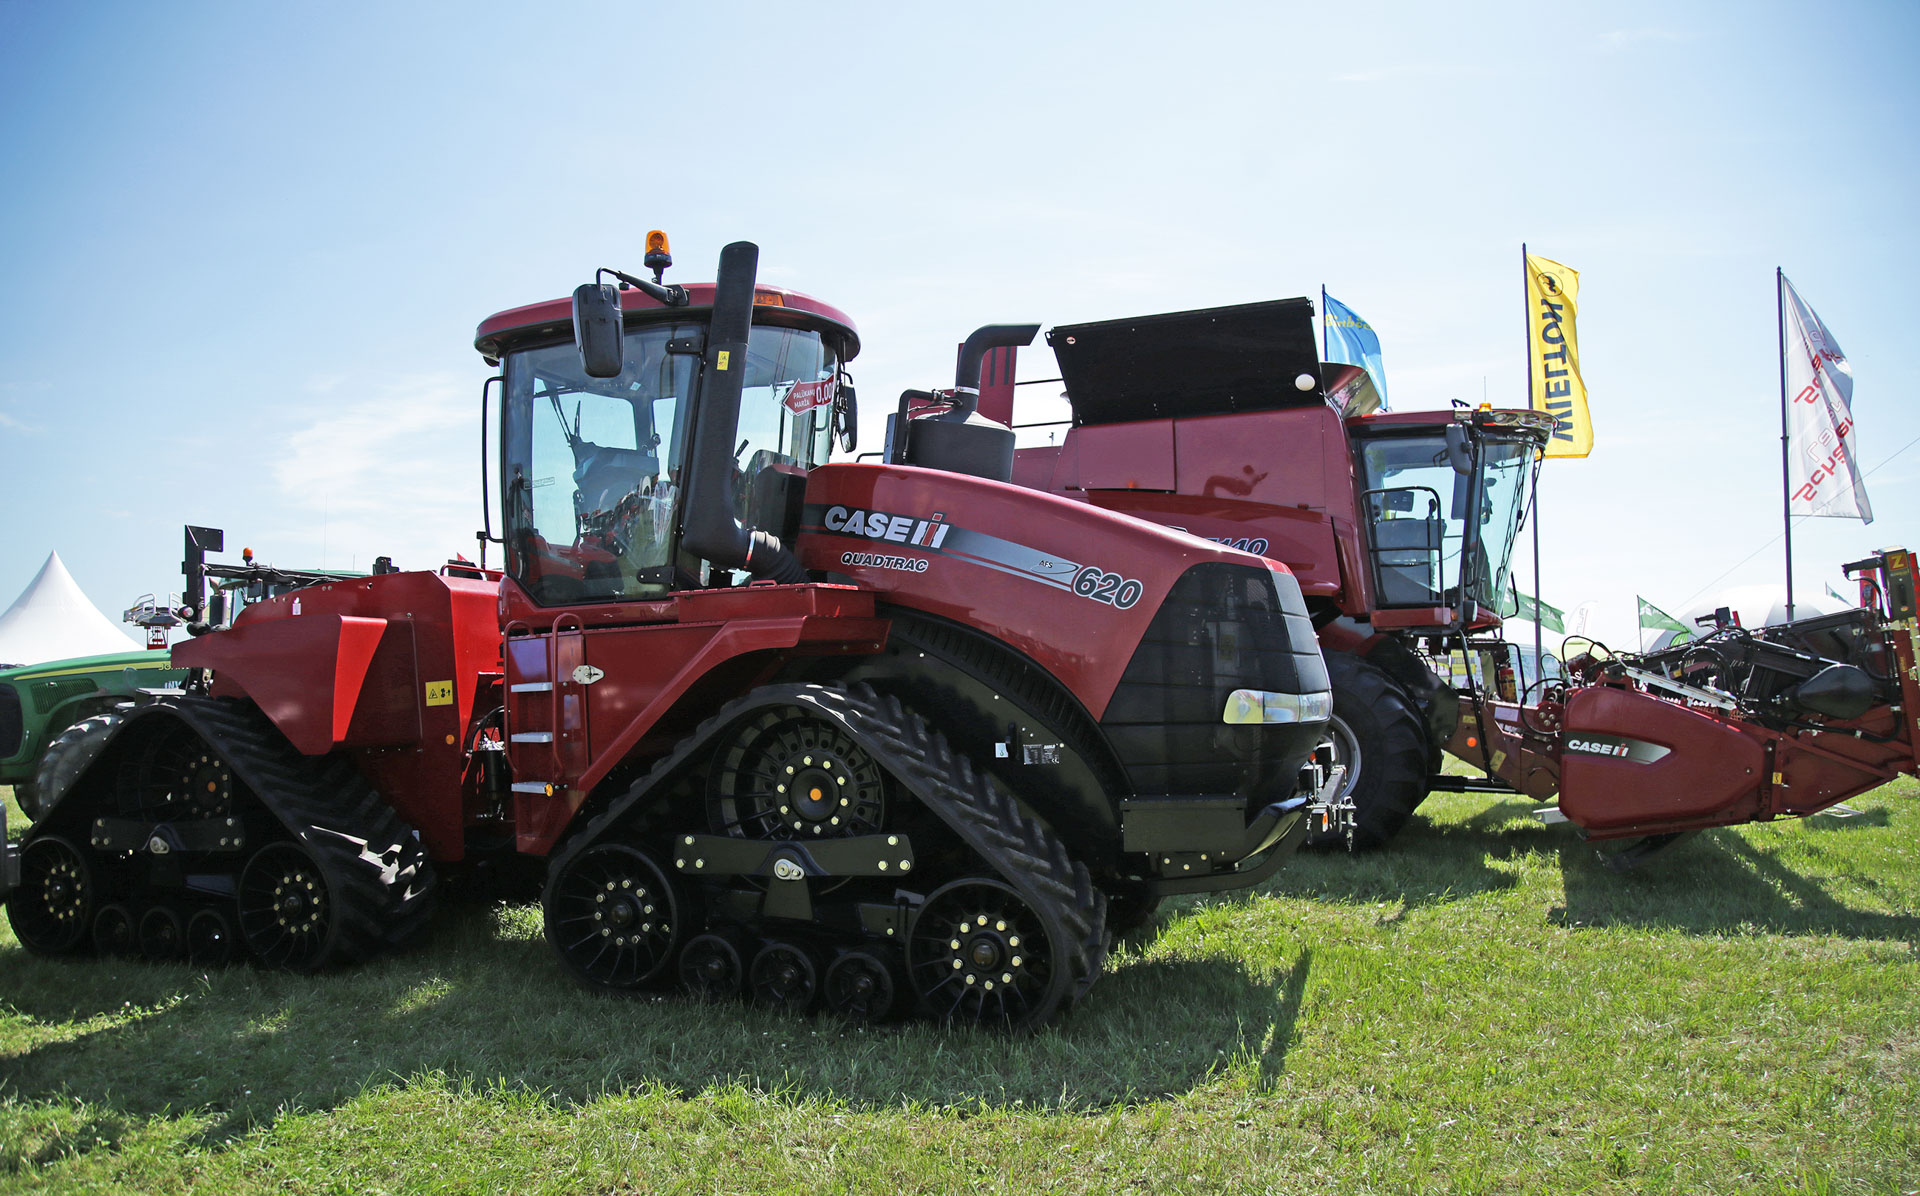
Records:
x=881, y=525
x=1615, y=747
x=937, y=536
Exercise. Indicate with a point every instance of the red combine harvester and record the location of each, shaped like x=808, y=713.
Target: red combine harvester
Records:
x=1400, y=529
x=893, y=737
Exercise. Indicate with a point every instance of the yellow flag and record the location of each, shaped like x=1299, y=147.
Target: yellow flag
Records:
x=1554, y=358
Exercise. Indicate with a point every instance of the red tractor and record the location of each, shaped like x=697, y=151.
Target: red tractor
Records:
x=1400, y=529
x=892, y=737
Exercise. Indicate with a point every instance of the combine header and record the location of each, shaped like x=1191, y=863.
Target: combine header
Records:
x=894, y=738
x=1739, y=726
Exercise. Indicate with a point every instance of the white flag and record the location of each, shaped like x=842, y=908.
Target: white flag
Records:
x=1823, y=474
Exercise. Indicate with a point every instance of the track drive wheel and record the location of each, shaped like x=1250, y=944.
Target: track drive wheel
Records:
x=286, y=908
x=52, y=909
x=979, y=955
x=787, y=773
x=1378, y=735
x=614, y=917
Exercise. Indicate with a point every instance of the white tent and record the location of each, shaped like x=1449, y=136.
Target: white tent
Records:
x=52, y=620
x=1757, y=606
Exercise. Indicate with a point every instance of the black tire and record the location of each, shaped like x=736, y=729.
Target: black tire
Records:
x=66, y=757
x=1377, y=733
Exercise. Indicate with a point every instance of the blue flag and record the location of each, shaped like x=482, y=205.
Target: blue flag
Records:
x=1351, y=340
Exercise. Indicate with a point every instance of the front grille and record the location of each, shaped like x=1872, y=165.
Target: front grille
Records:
x=12, y=727
x=1222, y=627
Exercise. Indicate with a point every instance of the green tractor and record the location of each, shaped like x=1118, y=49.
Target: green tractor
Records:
x=65, y=701
x=41, y=702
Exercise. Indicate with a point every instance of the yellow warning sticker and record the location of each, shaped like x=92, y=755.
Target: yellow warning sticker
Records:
x=720, y=360
x=1499, y=761
x=439, y=693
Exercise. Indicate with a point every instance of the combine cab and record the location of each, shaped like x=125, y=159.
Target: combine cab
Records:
x=894, y=738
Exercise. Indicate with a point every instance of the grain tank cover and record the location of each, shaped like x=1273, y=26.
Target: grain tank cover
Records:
x=1248, y=357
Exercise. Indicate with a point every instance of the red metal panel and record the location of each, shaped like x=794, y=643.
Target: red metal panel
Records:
x=1712, y=773
x=414, y=693
x=1006, y=563
x=305, y=674
x=1121, y=457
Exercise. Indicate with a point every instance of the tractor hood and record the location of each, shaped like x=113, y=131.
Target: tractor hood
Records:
x=1249, y=357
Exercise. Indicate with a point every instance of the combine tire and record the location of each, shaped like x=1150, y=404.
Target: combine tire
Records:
x=1379, y=736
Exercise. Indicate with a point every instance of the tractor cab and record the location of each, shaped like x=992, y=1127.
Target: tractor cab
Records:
x=1443, y=496
x=598, y=462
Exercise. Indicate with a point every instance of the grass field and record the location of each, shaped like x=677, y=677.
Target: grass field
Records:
x=1482, y=1009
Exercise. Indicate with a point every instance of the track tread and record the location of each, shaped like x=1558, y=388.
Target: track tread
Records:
x=378, y=874
x=1014, y=842
x=66, y=757
x=381, y=880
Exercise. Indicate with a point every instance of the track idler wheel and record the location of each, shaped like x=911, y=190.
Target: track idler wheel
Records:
x=163, y=937
x=614, y=917
x=784, y=977
x=210, y=939
x=710, y=968
x=979, y=955
x=286, y=908
x=52, y=910
x=860, y=988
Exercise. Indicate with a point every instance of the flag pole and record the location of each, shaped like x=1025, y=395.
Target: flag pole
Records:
x=1325, y=342
x=1527, y=320
x=1786, y=476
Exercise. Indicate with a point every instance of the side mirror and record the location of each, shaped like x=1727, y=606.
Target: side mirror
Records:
x=597, y=329
x=1459, y=449
x=846, y=416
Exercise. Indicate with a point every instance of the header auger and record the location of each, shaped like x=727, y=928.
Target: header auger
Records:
x=900, y=739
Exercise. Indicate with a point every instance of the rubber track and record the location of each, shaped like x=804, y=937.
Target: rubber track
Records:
x=377, y=872
x=1014, y=843
x=66, y=757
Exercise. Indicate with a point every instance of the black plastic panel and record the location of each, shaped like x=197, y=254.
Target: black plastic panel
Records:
x=1206, y=362
x=1223, y=627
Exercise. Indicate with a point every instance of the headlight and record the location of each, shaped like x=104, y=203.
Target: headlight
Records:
x=1246, y=706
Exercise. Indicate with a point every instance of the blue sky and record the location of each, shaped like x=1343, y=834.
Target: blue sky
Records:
x=244, y=248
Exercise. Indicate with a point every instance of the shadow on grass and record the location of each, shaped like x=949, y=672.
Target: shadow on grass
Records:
x=1427, y=864
x=1713, y=883
x=241, y=1048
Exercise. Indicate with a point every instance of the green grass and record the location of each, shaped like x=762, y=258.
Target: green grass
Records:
x=1482, y=1009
